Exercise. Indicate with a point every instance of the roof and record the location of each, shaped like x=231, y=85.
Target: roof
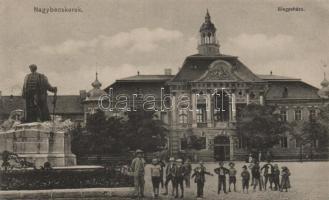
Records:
x=65, y=104
x=271, y=77
x=295, y=90
x=195, y=66
x=146, y=78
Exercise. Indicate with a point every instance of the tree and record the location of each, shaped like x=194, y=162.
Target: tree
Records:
x=261, y=126
x=308, y=132
x=145, y=131
x=102, y=136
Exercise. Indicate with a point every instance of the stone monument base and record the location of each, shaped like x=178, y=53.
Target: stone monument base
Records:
x=39, y=143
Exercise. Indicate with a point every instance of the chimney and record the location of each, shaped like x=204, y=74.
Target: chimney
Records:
x=271, y=73
x=167, y=71
x=137, y=73
x=83, y=95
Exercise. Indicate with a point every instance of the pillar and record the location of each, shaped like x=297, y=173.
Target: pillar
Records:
x=194, y=107
x=208, y=104
x=233, y=107
x=173, y=112
x=247, y=99
x=261, y=100
x=231, y=147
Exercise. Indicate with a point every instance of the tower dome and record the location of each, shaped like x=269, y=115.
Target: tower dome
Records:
x=96, y=92
x=208, y=42
x=207, y=26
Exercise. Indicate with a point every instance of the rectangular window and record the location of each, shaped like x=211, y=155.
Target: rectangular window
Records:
x=217, y=115
x=201, y=113
x=312, y=115
x=284, y=142
x=298, y=114
x=298, y=143
x=284, y=115
x=242, y=142
x=183, y=116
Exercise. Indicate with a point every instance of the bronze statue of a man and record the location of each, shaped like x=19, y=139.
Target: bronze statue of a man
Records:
x=35, y=90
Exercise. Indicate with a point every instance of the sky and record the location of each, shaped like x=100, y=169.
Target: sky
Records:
x=119, y=38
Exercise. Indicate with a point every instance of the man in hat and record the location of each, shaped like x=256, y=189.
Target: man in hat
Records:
x=34, y=92
x=232, y=176
x=221, y=171
x=268, y=174
x=179, y=177
x=137, y=168
x=200, y=179
x=188, y=169
x=170, y=175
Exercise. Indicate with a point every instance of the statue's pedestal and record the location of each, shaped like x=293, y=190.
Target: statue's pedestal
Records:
x=39, y=144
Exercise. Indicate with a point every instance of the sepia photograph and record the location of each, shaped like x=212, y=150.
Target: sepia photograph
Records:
x=150, y=99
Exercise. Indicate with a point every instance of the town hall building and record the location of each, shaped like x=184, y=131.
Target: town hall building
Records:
x=218, y=87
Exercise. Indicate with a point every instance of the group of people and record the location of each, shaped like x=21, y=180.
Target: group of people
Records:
x=271, y=174
x=179, y=173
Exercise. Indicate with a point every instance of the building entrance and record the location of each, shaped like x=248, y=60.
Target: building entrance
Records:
x=222, y=148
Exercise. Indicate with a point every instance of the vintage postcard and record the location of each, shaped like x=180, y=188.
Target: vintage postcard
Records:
x=147, y=99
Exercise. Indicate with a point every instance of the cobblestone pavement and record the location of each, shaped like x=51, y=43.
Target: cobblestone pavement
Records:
x=309, y=180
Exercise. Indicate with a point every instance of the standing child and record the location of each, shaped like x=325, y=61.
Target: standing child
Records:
x=276, y=177
x=179, y=178
x=255, y=171
x=156, y=176
x=200, y=179
x=232, y=176
x=245, y=178
x=285, y=181
x=221, y=171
